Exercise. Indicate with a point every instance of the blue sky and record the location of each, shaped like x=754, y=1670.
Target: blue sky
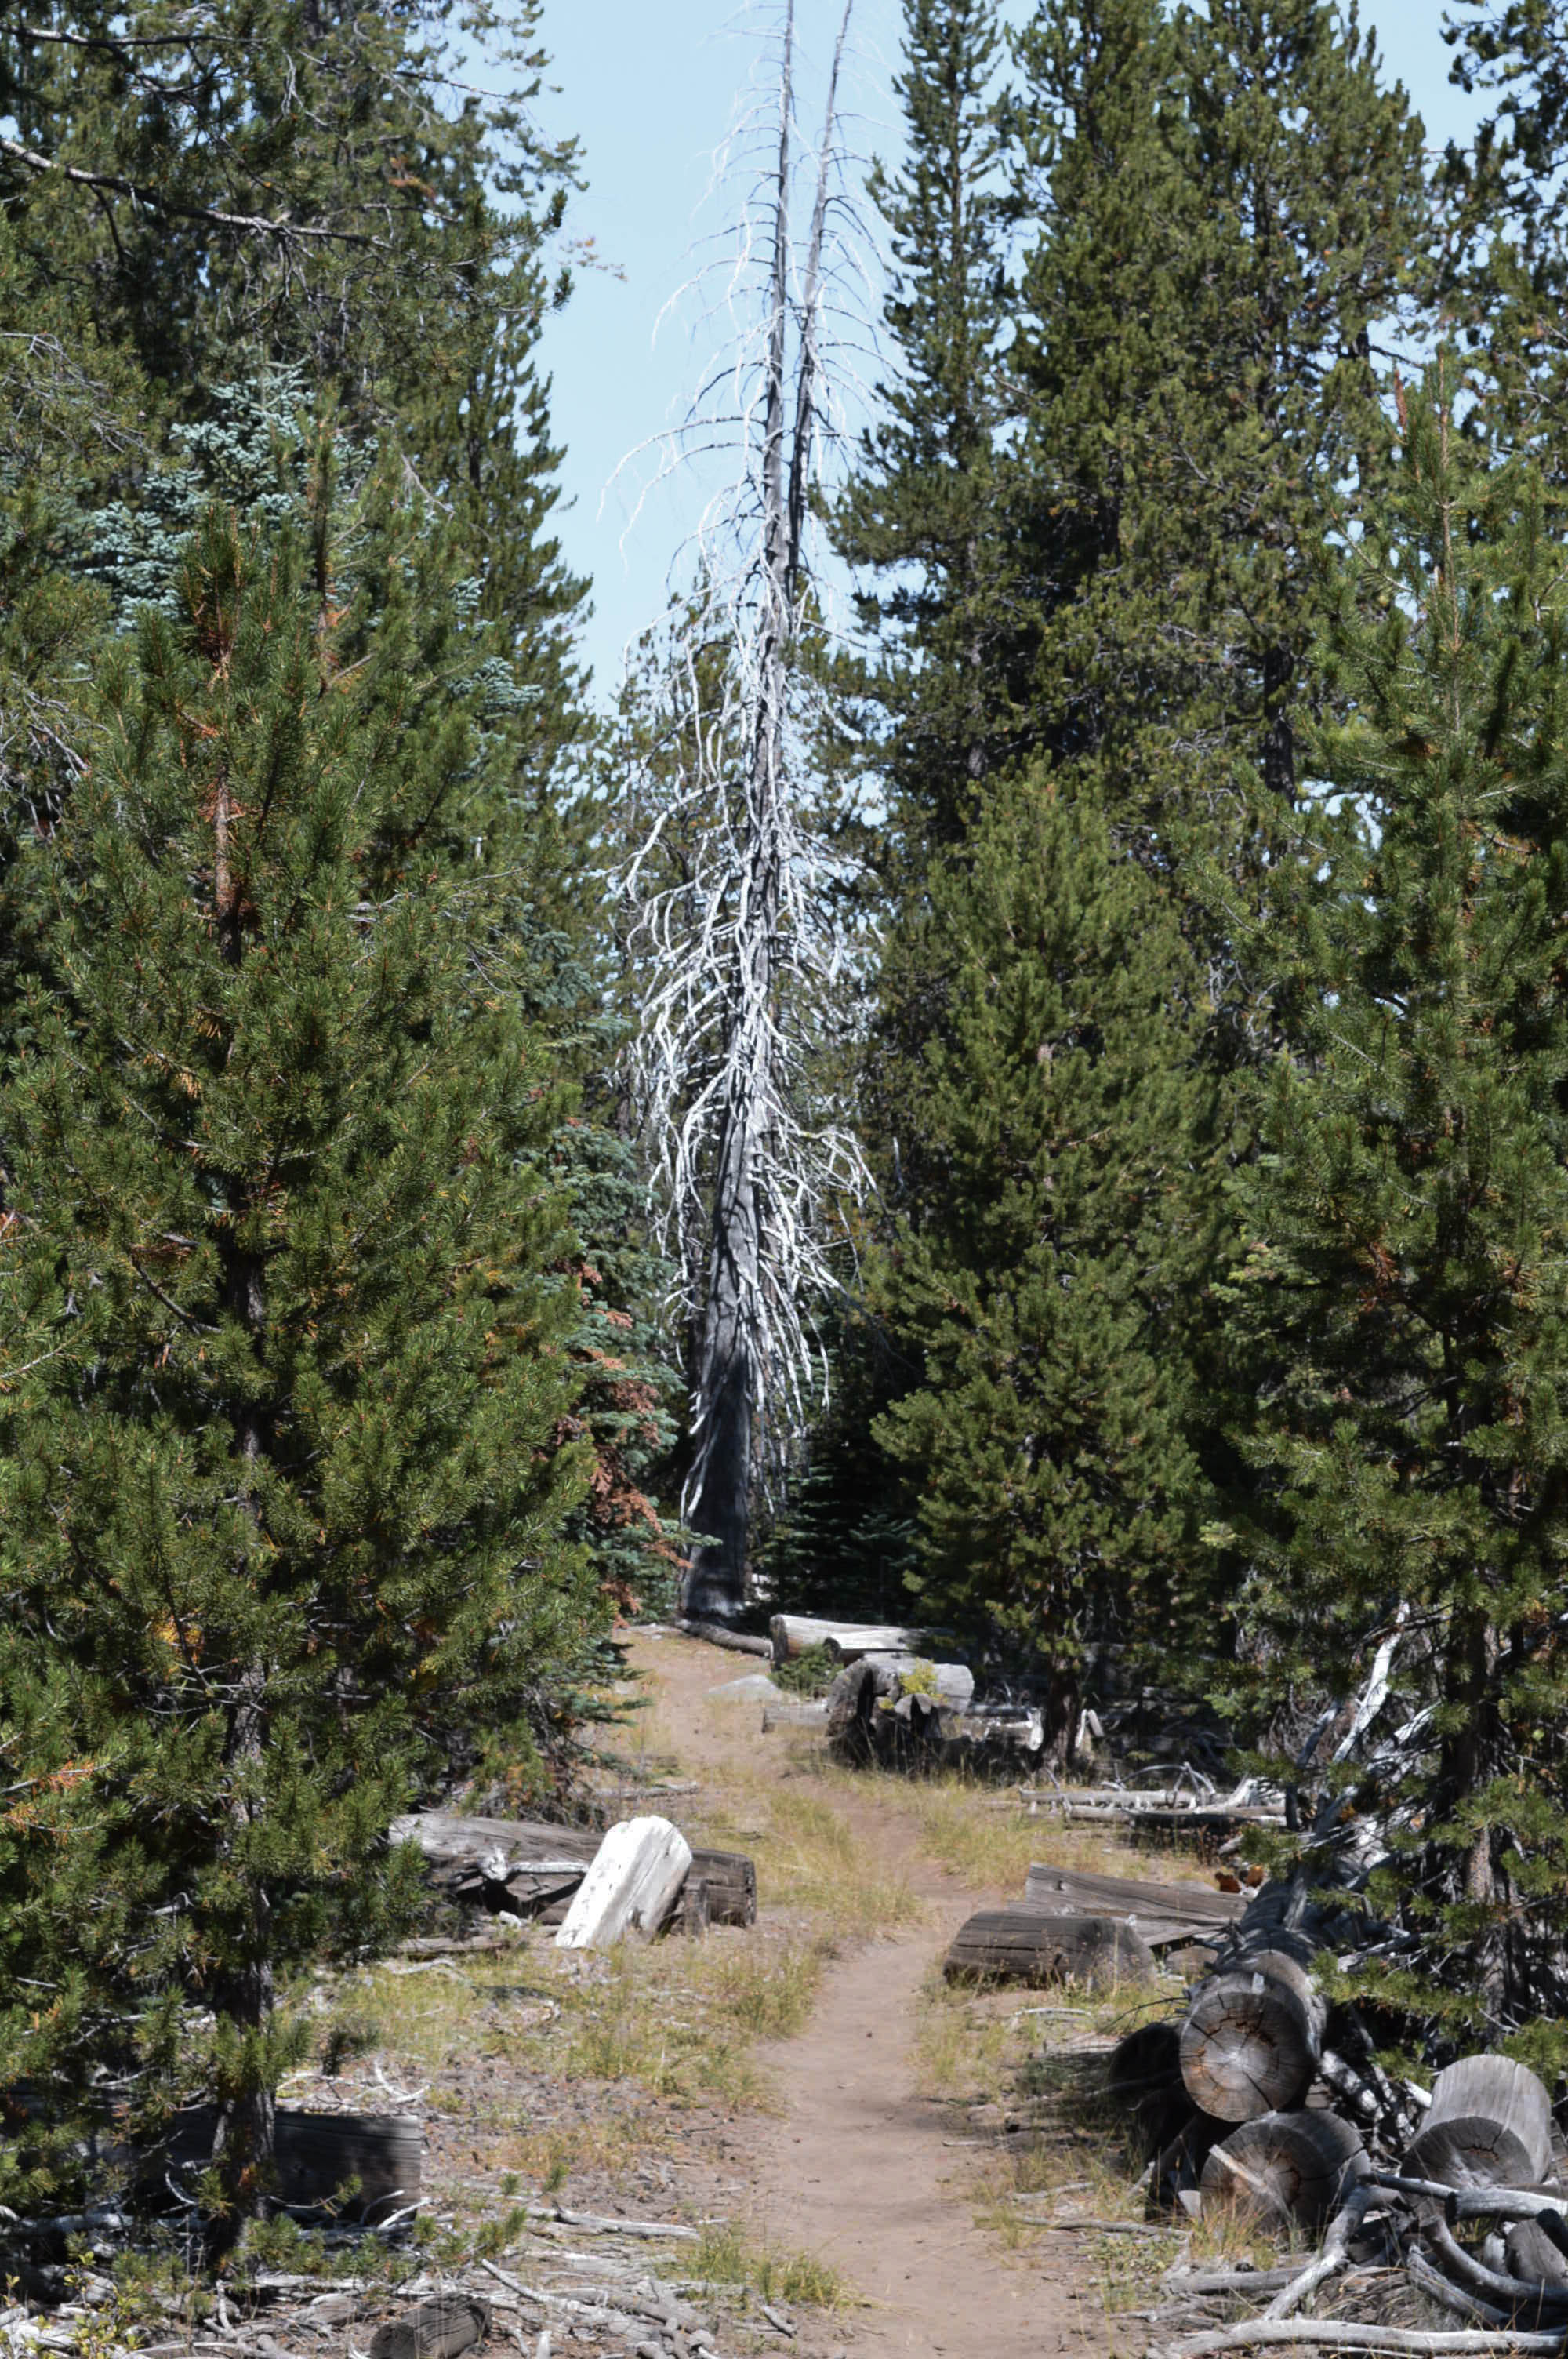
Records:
x=650, y=86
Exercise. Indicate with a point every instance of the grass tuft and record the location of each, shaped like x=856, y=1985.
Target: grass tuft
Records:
x=726, y=2256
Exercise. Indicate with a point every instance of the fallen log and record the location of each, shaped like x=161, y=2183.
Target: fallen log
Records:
x=1349, y=2335
x=319, y=2156
x=1290, y=2169
x=521, y=1864
x=845, y=1641
x=433, y=2330
x=632, y=1886
x=718, y=1634
x=1167, y=1915
x=1477, y=2202
x=810, y=1714
x=1489, y=2123
x=1023, y=1944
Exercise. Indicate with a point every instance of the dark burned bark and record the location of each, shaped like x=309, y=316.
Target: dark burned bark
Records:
x=721, y=1510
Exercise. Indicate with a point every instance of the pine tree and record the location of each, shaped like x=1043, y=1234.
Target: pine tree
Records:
x=1233, y=201
x=1401, y=1311
x=1043, y=1289
x=283, y=1472
x=923, y=509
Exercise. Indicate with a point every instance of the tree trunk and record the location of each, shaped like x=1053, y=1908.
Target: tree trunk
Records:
x=720, y=1511
x=1294, y=2170
x=244, y=2141
x=719, y=1495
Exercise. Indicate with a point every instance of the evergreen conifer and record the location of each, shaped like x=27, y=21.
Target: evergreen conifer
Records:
x=283, y=1470
x=1399, y=1318
x=1043, y=1289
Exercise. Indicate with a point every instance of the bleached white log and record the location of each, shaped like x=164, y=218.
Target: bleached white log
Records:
x=846, y=1641
x=632, y=1886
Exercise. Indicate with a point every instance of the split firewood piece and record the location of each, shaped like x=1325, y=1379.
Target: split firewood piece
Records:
x=1023, y=1944
x=434, y=2330
x=632, y=1886
x=1252, y=2037
x=1489, y=2124
x=1294, y=2169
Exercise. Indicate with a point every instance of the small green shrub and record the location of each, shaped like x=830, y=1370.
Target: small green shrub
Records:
x=810, y=1673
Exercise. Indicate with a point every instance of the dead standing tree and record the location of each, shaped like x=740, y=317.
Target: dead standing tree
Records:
x=738, y=959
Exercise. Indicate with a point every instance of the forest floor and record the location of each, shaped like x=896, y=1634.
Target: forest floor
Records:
x=851, y=2156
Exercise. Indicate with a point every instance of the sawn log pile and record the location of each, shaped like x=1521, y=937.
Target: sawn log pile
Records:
x=1262, y=2098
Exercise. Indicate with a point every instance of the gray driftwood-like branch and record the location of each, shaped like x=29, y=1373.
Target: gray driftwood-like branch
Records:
x=739, y=960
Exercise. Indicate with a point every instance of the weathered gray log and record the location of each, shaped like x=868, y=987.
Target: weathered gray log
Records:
x=631, y=1886
x=1252, y=2036
x=320, y=2155
x=437, y=2329
x=1023, y=1944
x=1291, y=2168
x=1166, y=1914
x=524, y=1863
x=729, y=1880
x=718, y=1634
x=955, y=1683
x=812, y=1713
x=1538, y=2255
x=848, y=1641
x=1489, y=2124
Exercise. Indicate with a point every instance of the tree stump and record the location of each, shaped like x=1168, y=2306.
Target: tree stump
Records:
x=1021, y=1944
x=731, y=1878
x=1287, y=2168
x=437, y=2329
x=1252, y=2038
x=1489, y=2124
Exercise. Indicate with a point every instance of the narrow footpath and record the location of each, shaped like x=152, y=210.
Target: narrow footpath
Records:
x=857, y=2167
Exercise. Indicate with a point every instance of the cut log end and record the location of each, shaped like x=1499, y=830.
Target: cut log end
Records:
x=1289, y=2169
x=1251, y=2038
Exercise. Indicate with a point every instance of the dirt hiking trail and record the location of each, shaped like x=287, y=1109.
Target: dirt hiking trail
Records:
x=857, y=2166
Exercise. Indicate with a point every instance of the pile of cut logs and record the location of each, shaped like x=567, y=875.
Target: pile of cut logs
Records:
x=1264, y=2098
